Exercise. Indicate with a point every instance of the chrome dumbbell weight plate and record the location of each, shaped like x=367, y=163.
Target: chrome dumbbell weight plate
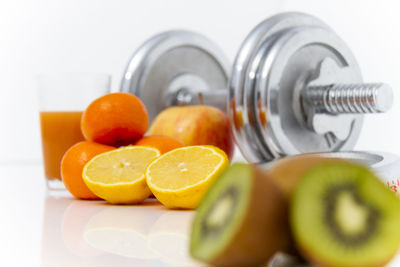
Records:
x=295, y=87
x=172, y=61
x=274, y=66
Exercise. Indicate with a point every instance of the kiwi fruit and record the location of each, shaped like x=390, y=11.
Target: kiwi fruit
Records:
x=341, y=214
x=241, y=221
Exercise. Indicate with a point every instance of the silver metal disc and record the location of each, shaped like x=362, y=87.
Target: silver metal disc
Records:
x=279, y=56
x=171, y=61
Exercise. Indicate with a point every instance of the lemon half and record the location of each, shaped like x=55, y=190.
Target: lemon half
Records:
x=180, y=178
x=118, y=175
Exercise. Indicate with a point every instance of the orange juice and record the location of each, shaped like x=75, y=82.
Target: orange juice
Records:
x=60, y=130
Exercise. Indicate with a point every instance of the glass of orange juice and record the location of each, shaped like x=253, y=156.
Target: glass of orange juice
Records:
x=62, y=99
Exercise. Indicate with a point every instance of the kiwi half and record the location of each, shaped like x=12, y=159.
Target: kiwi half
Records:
x=241, y=220
x=342, y=215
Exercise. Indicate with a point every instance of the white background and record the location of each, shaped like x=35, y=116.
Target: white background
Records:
x=99, y=36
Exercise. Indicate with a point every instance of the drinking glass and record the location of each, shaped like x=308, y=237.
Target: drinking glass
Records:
x=62, y=99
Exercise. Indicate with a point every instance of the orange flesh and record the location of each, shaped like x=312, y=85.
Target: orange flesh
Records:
x=60, y=130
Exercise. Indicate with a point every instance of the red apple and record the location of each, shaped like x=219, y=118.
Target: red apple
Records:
x=195, y=125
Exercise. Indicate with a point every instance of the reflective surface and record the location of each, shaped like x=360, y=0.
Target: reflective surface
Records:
x=45, y=229
x=41, y=228
x=100, y=234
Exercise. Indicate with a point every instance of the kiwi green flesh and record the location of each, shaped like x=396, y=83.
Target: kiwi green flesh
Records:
x=342, y=215
x=221, y=213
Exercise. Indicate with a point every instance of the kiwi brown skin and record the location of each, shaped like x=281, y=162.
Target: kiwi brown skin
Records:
x=288, y=172
x=264, y=229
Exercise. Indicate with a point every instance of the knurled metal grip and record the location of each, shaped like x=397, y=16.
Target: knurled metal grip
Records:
x=295, y=87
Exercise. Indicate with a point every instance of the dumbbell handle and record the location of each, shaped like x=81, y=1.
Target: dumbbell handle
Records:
x=350, y=98
x=332, y=99
x=215, y=98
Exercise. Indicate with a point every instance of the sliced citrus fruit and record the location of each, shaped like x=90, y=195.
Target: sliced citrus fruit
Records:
x=118, y=176
x=179, y=178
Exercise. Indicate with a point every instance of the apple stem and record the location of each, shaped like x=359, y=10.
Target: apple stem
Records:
x=201, y=98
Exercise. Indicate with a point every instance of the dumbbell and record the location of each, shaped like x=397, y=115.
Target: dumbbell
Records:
x=295, y=87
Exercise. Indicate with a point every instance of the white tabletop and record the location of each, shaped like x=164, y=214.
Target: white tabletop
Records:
x=39, y=228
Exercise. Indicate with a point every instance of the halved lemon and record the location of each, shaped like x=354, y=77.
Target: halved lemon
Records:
x=180, y=178
x=118, y=175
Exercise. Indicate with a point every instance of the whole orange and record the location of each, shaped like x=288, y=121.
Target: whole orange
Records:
x=72, y=165
x=162, y=143
x=115, y=119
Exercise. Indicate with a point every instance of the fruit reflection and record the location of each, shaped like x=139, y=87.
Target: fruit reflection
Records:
x=123, y=230
x=63, y=223
x=75, y=218
x=169, y=238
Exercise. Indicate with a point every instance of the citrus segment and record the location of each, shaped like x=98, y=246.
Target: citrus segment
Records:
x=118, y=176
x=179, y=178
